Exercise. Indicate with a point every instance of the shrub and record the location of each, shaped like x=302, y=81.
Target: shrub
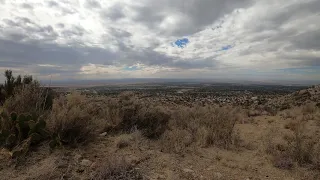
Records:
x=123, y=140
x=152, y=122
x=116, y=168
x=176, y=140
x=207, y=125
x=31, y=99
x=18, y=132
x=129, y=112
x=298, y=148
x=69, y=121
x=308, y=109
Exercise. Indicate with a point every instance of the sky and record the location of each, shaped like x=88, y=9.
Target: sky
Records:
x=257, y=40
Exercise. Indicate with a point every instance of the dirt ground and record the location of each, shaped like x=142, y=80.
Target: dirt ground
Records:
x=247, y=162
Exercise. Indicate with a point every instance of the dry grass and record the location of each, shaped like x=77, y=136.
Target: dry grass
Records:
x=176, y=140
x=124, y=140
x=71, y=121
x=128, y=112
x=204, y=126
x=30, y=99
x=117, y=168
x=300, y=147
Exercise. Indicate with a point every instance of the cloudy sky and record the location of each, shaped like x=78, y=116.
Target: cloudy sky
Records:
x=97, y=39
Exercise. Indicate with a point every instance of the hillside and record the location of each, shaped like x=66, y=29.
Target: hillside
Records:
x=125, y=137
x=298, y=98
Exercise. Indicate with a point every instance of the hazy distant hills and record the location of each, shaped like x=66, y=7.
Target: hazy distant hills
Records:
x=71, y=82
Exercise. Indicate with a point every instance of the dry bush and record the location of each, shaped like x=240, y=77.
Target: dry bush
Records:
x=30, y=99
x=152, y=121
x=271, y=109
x=309, y=109
x=124, y=140
x=117, y=168
x=299, y=147
x=207, y=125
x=70, y=121
x=128, y=112
x=289, y=114
x=176, y=140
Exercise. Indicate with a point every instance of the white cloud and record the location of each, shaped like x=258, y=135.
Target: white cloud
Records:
x=102, y=37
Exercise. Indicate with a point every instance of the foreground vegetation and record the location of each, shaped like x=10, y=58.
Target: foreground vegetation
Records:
x=34, y=119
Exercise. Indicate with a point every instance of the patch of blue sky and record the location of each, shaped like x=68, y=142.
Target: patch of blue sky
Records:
x=131, y=68
x=225, y=48
x=181, y=43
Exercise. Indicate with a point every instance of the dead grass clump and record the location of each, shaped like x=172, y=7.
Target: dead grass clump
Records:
x=271, y=109
x=124, y=140
x=308, y=109
x=117, y=168
x=299, y=148
x=30, y=99
x=283, y=161
x=152, y=121
x=69, y=120
x=176, y=140
x=207, y=125
x=129, y=112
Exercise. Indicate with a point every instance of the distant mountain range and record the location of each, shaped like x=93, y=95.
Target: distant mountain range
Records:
x=81, y=83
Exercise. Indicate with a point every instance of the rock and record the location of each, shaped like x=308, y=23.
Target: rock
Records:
x=186, y=170
x=103, y=134
x=77, y=157
x=94, y=165
x=217, y=175
x=85, y=162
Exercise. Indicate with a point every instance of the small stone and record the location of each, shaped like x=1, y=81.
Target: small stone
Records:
x=186, y=170
x=77, y=157
x=103, y=134
x=85, y=162
x=94, y=165
x=217, y=175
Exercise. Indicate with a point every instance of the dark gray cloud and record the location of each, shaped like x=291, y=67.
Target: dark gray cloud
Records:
x=307, y=41
x=14, y=54
x=77, y=31
x=73, y=34
x=27, y=6
x=302, y=60
x=28, y=27
x=92, y=4
x=53, y=4
x=201, y=13
x=114, y=13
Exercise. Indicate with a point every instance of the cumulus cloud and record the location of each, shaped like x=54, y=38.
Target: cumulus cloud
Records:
x=247, y=39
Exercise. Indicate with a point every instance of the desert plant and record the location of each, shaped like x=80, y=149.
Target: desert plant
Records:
x=21, y=129
x=298, y=147
x=30, y=98
x=116, y=168
x=69, y=122
x=131, y=113
x=9, y=83
x=208, y=125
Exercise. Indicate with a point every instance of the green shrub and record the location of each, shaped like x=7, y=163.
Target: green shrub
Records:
x=21, y=129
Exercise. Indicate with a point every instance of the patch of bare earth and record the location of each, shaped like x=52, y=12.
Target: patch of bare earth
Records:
x=209, y=143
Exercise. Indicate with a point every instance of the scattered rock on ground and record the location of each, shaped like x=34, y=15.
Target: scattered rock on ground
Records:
x=85, y=162
x=217, y=175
